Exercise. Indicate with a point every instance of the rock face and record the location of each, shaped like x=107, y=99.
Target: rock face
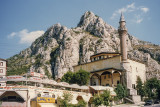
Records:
x=60, y=48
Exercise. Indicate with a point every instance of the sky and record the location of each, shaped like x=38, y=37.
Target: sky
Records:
x=22, y=21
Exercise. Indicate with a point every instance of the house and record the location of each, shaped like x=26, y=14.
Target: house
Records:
x=3, y=69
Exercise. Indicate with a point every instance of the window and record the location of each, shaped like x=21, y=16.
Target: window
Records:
x=11, y=98
x=1, y=63
x=133, y=86
x=118, y=82
x=1, y=70
x=105, y=77
x=109, y=76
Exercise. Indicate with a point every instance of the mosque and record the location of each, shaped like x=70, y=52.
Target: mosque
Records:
x=107, y=69
x=110, y=69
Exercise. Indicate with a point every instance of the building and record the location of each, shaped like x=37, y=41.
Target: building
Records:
x=3, y=69
x=110, y=68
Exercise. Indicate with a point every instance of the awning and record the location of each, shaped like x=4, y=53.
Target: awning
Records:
x=47, y=81
x=98, y=88
x=84, y=87
x=13, y=78
x=47, y=104
x=102, y=88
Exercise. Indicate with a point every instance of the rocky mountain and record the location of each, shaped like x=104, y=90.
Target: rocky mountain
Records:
x=60, y=48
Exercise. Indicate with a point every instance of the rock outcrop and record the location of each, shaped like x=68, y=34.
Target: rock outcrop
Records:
x=60, y=48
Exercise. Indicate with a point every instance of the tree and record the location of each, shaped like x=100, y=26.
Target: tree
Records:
x=102, y=98
x=81, y=103
x=152, y=87
x=97, y=100
x=82, y=77
x=121, y=92
x=66, y=98
x=106, y=97
x=68, y=77
x=158, y=90
x=140, y=87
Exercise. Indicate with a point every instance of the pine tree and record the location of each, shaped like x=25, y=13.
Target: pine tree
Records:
x=140, y=87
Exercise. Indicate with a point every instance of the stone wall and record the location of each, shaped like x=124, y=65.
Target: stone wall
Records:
x=137, y=69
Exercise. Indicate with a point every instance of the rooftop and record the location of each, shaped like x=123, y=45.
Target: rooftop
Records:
x=106, y=53
x=2, y=59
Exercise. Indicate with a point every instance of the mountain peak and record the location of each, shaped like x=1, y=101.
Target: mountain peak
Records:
x=95, y=25
x=86, y=18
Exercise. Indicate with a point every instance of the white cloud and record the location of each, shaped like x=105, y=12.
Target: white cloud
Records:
x=26, y=37
x=139, y=11
x=12, y=35
x=128, y=8
x=132, y=6
x=139, y=20
x=144, y=9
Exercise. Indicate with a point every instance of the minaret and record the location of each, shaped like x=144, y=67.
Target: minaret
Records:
x=122, y=30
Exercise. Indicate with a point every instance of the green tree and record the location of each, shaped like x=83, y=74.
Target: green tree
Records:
x=68, y=77
x=121, y=92
x=66, y=98
x=158, y=90
x=151, y=88
x=140, y=88
x=81, y=103
x=97, y=100
x=82, y=77
x=106, y=97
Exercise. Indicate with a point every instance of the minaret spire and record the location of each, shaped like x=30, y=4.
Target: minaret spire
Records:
x=122, y=18
x=122, y=30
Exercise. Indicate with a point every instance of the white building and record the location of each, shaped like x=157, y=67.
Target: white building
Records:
x=3, y=69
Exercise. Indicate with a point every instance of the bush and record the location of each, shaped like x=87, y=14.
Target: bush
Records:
x=152, y=88
x=81, y=103
x=102, y=98
x=106, y=97
x=81, y=77
x=140, y=87
x=64, y=101
x=99, y=41
x=97, y=100
x=121, y=92
x=68, y=77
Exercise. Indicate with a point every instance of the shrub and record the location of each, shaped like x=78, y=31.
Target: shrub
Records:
x=99, y=41
x=64, y=101
x=140, y=87
x=81, y=77
x=121, y=92
x=68, y=77
x=97, y=100
x=81, y=103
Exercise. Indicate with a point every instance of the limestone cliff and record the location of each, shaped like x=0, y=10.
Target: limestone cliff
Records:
x=60, y=48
